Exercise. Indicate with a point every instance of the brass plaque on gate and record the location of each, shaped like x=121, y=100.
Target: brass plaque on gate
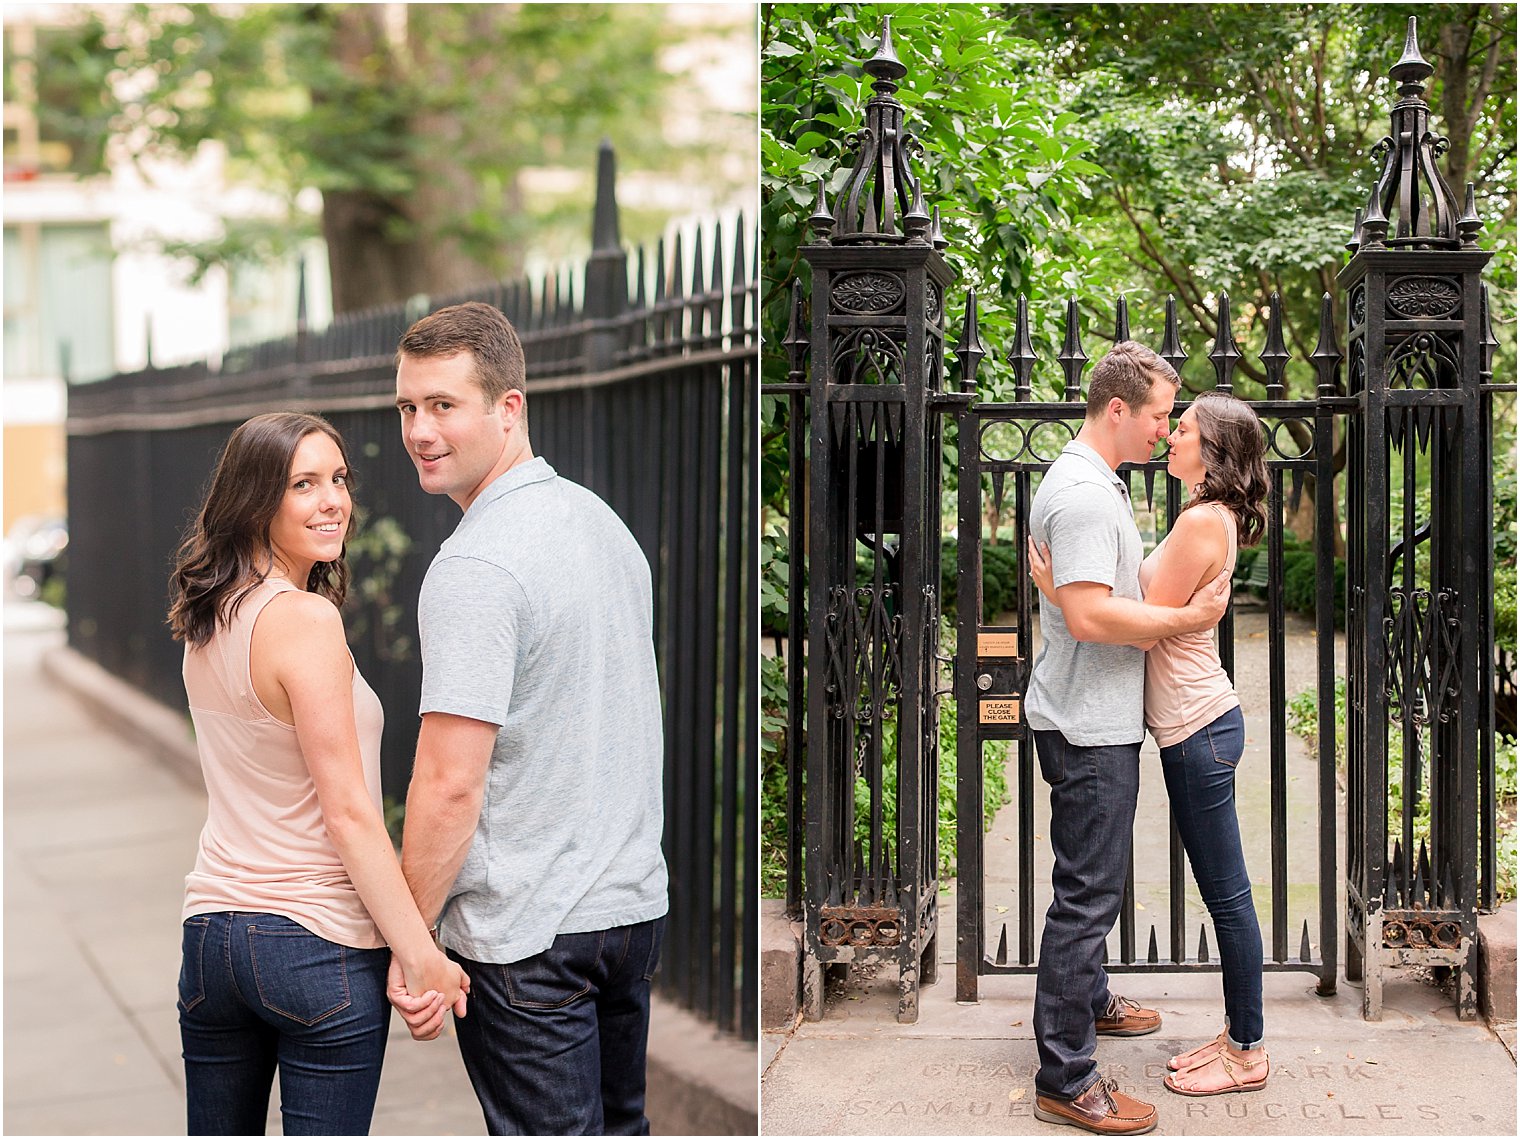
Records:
x=1000, y=711
x=997, y=644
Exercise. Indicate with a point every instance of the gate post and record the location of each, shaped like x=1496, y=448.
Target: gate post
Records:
x=876, y=364
x=1415, y=634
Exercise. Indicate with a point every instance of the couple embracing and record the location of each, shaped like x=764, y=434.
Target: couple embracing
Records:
x=531, y=891
x=1128, y=644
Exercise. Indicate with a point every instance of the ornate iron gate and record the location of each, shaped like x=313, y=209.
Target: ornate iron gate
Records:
x=1011, y=443
x=866, y=476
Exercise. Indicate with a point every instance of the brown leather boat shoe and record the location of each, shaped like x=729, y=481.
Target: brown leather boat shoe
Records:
x=1101, y=1109
x=1125, y=1017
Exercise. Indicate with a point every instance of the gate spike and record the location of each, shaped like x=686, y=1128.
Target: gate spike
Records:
x=1071, y=356
x=715, y=282
x=999, y=479
x=1356, y=232
x=1487, y=342
x=1150, y=490
x=1397, y=417
x=1226, y=353
x=1469, y=223
x=738, y=271
x=1121, y=320
x=1203, y=944
x=1448, y=898
x=1152, y=957
x=1395, y=878
x=969, y=351
x=1296, y=491
x=886, y=885
x=1172, y=350
x=1002, y=949
x=858, y=870
x=1105, y=951
x=1304, y=952
x=1326, y=356
x=894, y=422
x=1022, y=356
x=1275, y=356
x=839, y=413
x=1129, y=483
x=1421, y=875
x=698, y=280
x=1424, y=419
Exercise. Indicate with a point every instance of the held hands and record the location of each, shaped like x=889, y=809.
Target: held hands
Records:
x=1041, y=570
x=441, y=983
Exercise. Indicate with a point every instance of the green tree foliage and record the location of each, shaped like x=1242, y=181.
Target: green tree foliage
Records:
x=413, y=121
x=1236, y=139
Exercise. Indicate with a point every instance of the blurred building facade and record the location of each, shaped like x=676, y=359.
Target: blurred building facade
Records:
x=88, y=293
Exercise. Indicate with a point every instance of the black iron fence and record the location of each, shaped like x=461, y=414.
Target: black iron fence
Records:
x=642, y=388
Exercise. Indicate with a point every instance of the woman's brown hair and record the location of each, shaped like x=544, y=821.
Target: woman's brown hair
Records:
x=226, y=551
x=1234, y=451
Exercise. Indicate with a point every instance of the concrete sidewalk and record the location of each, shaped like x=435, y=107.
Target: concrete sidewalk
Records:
x=99, y=833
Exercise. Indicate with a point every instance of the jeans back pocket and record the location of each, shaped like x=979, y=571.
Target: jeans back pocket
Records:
x=298, y=974
x=558, y=976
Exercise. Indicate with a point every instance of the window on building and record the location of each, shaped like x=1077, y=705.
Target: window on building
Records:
x=59, y=317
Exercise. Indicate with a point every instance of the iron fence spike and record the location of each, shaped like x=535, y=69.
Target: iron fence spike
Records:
x=894, y=422
x=1021, y=355
x=1105, y=951
x=1469, y=223
x=1203, y=944
x=1121, y=320
x=1275, y=355
x=1305, y=954
x=1326, y=356
x=1150, y=489
x=1002, y=949
x=1073, y=359
x=1225, y=354
x=1296, y=490
x=969, y=350
x=1152, y=955
x=1172, y=349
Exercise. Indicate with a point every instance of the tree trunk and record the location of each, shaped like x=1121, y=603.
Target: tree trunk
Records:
x=383, y=249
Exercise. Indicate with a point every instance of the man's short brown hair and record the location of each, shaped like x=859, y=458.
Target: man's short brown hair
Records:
x=1128, y=371
x=479, y=329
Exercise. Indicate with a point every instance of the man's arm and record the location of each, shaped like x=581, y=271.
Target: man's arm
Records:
x=443, y=804
x=1093, y=613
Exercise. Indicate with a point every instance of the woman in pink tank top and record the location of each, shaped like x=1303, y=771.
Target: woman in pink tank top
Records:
x=296, y=891
x=1218, y=451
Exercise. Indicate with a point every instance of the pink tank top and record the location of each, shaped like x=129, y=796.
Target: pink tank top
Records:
x=264, y=847
x=1185, y=685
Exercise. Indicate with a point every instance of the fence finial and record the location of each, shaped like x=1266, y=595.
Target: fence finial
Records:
x=1411, y=204
x=970, y=351
x=604, y=222
x=882, y=188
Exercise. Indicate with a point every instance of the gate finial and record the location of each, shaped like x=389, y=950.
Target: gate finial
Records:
x=882, y=189
x=1411, y=204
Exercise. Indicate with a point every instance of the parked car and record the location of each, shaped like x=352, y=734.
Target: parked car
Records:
x=33, y=552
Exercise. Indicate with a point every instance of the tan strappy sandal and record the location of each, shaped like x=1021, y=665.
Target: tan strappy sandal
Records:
x=1238, y=1072
x=1200, y=1055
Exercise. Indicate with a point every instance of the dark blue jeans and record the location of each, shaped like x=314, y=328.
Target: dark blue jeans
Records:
x=1200, y=781
x=554, y=1044
x=1092, y=816
x=259, y=993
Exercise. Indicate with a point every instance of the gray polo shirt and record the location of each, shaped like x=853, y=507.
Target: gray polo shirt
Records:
x=536, y=615
x=1092, y=694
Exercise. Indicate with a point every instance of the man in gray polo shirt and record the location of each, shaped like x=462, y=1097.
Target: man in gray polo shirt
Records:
x=1085, y=705
x=534, y=815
